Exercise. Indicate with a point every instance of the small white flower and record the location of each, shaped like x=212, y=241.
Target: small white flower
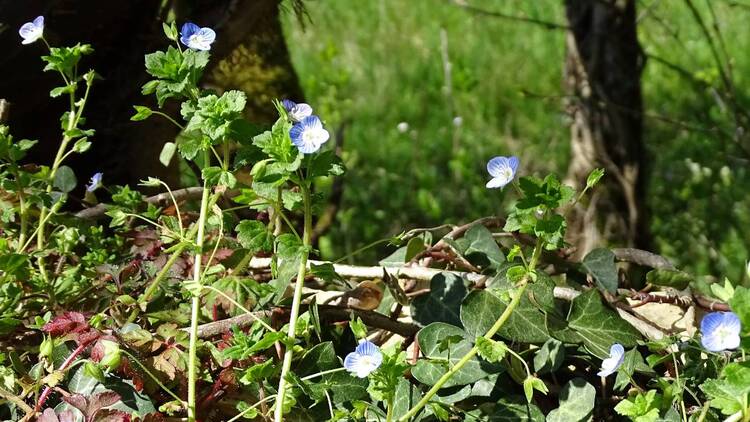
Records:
x=295, y=111
x=402, y=127
x=721, y=331
x=613, y=362
x=502, y=170
x=458, y=121
x=32, y=31
x=308, y=135
x=364, y=360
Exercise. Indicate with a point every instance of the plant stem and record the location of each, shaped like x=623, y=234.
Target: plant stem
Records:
x=289, y=354
x=196, y=300
x=474, y=350
x=389, y=410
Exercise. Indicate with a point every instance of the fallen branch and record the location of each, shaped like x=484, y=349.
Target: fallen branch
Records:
x=327, y=313
x=162, y=198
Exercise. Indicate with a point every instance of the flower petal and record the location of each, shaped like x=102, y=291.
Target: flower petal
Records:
x=513, y=163
x=496, y=165
x=497, y=182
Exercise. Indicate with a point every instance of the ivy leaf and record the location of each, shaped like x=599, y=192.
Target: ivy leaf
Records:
x=478, y=240
x=601, y=264
x=670, y=278
x=442, y=303
x=511, y=409
x=526, y=324
x=549, y=357
x=598, y=326
x=576, y=402
x=429, y=370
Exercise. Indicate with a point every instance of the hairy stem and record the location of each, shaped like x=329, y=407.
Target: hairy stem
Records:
x=289, y=354
x=196, y=300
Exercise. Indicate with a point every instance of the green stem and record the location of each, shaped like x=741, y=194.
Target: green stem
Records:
x=389, y=410
x=154, y=286
x=289, y=354
x=24, y=220
x=153, y=377
x=195, y=302
x=474, y=350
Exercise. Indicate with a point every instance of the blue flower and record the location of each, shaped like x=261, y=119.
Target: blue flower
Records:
x=721, y=331
x=308, y=134
x=95, y=182
x=196, y=37
x=365, y=359
x=32, y=31
x=610, y=364
x=296, y=112
x=502, y=170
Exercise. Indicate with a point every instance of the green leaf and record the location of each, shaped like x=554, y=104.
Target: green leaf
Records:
x=526, y=324
x=598, y=326
x=641, y=408
x=532, y=383
x=740, y=304
x=254, y=236
x=442, y=303
x=326, y=163
x=167, y=152
x=549, y=357
x=576, y=402
x=131, y=401
x=594, y=178
x=406, y=396
x=478, y=240
x=219, y=177
x=65, y=179
x=511, y=409
x=190, y=143
x=82, y=145
x=414, y=247
x=141, y=113
x=670, y=278
x=60, y=90
x=601, y=264
x=428, y=371
x=491, y=350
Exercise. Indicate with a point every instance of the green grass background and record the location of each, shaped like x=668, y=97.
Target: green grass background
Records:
x=368, y=65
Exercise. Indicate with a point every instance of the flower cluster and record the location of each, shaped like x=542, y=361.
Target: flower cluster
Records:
x=307, y=134
x=364, y=360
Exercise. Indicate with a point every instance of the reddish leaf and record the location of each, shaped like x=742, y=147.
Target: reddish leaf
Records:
x=68, y=322
x=111, y=415
x=91, y=407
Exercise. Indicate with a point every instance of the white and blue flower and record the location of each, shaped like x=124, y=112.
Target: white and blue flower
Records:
x=308, y=134
x=196, y=37
x=613, y=362
x=502, y=170
x=95, y=182
x=364, y=360
x=721, y=331
x=32, y=31
x=295, y=111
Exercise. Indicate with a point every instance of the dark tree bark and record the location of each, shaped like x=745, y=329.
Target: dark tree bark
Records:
x=602, y=75
x=249, y=54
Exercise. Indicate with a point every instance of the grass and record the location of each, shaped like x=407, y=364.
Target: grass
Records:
x=365, y=69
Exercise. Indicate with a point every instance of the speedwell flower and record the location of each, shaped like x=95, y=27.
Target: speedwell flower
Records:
x=308, y=134
x=721, y=331
x=364, y=360
x=196, y=37
x=32, y=31
x=610, y=364
x=502, y=170
x=95, y=182
x=297, y=112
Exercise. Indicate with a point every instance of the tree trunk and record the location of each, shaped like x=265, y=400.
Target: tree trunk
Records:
x=602, y=75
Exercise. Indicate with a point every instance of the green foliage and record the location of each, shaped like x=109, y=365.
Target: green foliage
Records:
x=576, y=402
x=442, y=303
x=641, y=408
x=601, y=264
